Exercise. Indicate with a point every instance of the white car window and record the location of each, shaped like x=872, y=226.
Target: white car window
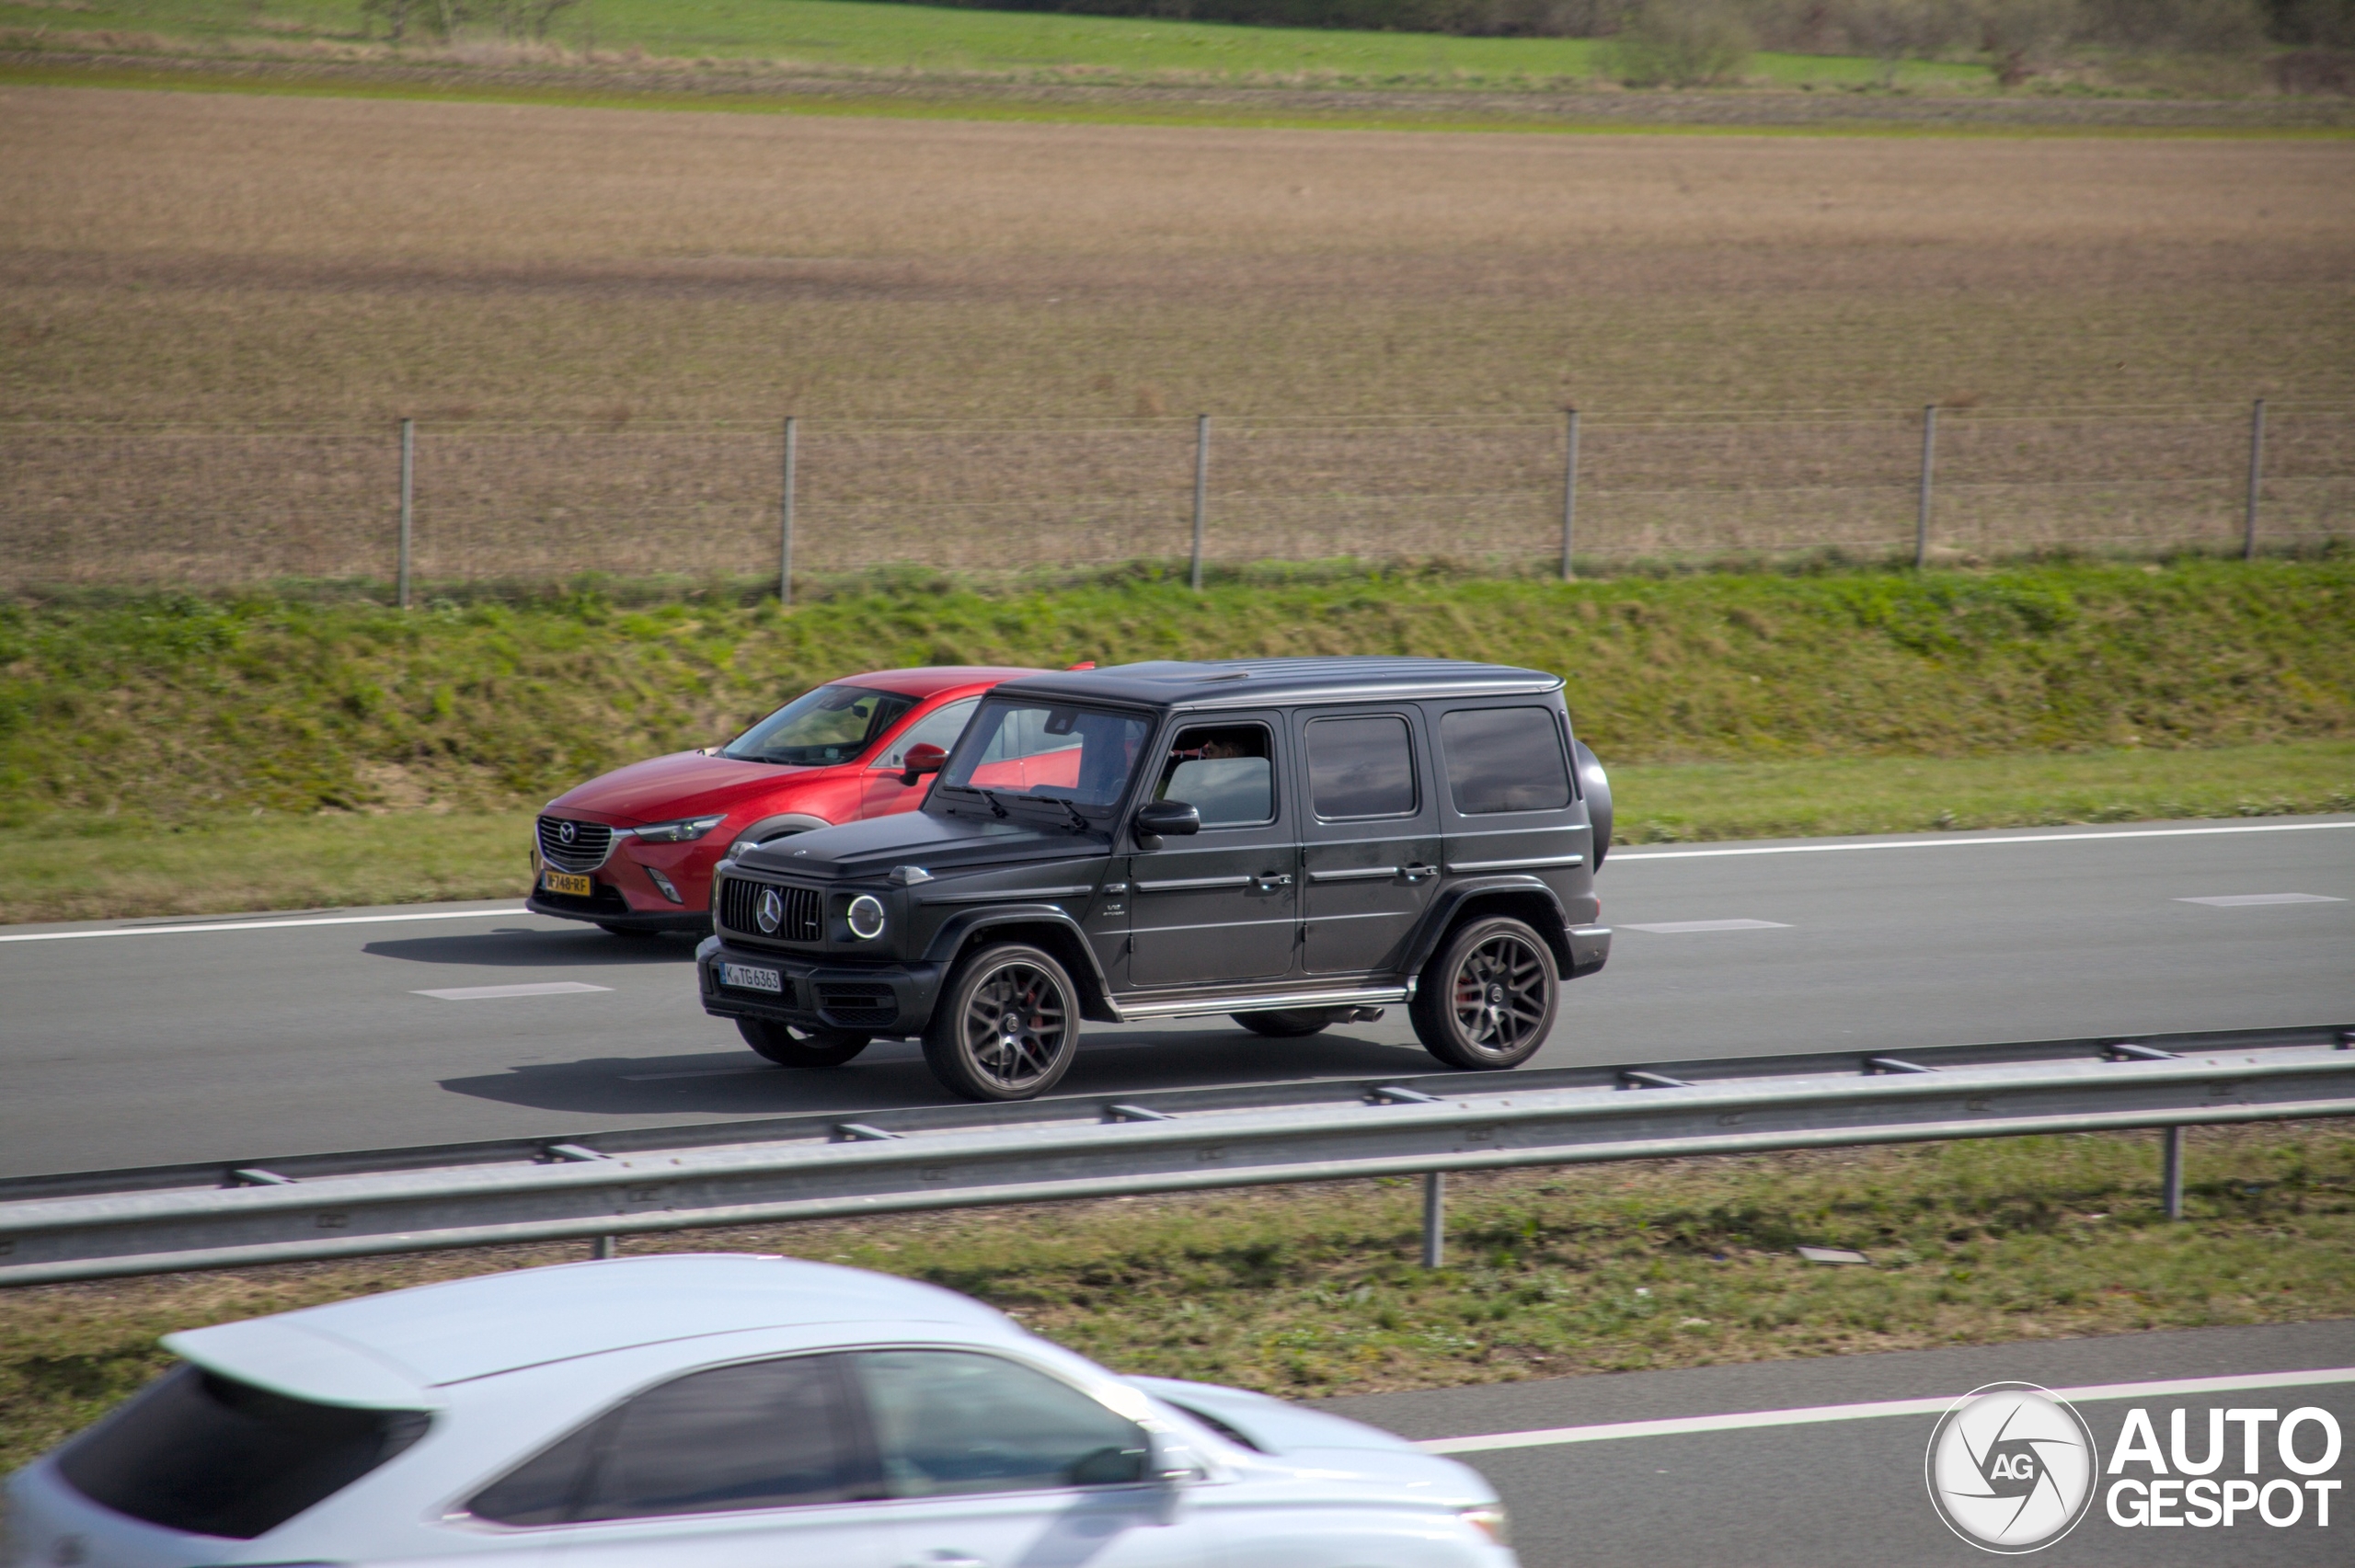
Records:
x=939, y=728
x=760, y=1435
x=952, y=1421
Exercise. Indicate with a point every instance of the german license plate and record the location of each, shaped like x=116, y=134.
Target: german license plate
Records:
x=565, y=881
x=750, y=976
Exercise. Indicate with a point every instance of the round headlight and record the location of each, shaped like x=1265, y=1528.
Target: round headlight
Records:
x=867, y=917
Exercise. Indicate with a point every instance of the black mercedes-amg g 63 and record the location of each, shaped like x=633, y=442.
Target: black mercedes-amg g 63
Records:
x=1290, y=841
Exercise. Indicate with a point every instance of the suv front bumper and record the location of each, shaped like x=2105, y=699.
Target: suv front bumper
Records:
x=892, y=999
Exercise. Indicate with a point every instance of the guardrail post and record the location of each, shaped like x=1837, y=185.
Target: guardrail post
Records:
x=602, y=1248
x=784, y=521
x=1434, y=1219
x=1202, y=489
x=2171, y=1172
x=1569, y=493
x=1929, y=460
x=408, y=493
x=2256, y=477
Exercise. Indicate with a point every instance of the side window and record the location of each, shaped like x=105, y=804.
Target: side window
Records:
x=953, y=1422
x=939, y=728
x=1504, y=760
x=1225, y=772
x=762, y=1435
x=1361, y=767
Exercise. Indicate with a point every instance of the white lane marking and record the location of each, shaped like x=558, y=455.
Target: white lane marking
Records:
x=1617, y=856
x=259, y=925
x=2238, y=900
x=490, y=993
x=1676, y=928
x=2175, y=1388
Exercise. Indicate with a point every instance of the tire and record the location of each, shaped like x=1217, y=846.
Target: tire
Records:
x=1008, y=1025
x=1487, y=1000
x=789, y=1047
x=1293, y=1025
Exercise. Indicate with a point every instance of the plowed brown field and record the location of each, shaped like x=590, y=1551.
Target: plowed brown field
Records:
x=234, y=260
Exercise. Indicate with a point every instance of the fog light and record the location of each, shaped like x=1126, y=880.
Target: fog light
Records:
x=663, y=885
x=867, y=917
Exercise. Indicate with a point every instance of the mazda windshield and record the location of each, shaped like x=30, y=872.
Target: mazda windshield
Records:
x=1065, y=756
x=832, y=723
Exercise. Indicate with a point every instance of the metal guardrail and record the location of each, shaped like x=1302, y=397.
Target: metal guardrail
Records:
x=266, y=1211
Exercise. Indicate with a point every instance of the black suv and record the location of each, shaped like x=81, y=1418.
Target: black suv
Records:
x=1290, y=841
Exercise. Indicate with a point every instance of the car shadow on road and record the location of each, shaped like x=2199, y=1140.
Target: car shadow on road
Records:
x=521, y=948
x=891, y=1073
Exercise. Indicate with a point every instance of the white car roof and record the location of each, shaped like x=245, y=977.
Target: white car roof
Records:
x=391, y=1351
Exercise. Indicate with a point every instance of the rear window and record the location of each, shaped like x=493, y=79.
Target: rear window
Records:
x=207, y=1454
x=1504, y=760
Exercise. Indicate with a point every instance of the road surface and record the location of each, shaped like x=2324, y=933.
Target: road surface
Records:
x=128, y=1042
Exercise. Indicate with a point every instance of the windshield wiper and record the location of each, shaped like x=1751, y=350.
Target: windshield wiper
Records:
x=996, y=806
x=1079, y=819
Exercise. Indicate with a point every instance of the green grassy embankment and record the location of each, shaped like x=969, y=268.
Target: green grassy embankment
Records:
x=1316, y=1290
x=177, y=754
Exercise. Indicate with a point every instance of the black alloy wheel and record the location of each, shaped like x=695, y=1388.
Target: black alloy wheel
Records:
x=1294, y=1024
x=1488, y=999
x=788, y=1046
x=1008, y=1025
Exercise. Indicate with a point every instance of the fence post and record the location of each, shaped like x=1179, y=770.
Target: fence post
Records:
x=2256, y=476
x=1569, y=493
x=1202, y=489
x=1929, y=460
x=1434, y=1219
x=784, y=521
x=2171, y=1172
x=408, y=495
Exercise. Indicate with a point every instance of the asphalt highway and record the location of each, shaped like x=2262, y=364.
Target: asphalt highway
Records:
x=1845, y=1488
x=130, y=1042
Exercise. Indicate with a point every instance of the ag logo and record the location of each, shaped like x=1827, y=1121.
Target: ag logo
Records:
x=567, y=832
x=770, y=912
x=2011, y=1468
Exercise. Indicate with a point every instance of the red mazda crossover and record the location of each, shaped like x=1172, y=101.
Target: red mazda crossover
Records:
x=633, y=850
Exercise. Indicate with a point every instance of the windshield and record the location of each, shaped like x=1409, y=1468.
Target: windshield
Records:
x=832, y=723
x=1047, y=752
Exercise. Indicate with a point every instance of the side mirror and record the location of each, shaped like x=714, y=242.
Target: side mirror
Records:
x=920, y=760
x=1156, y=817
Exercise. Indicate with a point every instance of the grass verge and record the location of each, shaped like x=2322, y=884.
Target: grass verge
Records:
x=131, y=869
x=1316, y=1292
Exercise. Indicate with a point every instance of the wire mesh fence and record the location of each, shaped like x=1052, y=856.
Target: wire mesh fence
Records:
x=208, y=505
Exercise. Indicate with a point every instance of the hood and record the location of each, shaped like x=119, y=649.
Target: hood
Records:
x=1272, y=1425
x=940, y=844
x=685, y=783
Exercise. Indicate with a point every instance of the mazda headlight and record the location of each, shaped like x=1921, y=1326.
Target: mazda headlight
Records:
x=686, y=831
x=865, y=917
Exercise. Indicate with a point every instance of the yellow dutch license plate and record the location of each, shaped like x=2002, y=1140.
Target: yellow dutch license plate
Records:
x=564, y=882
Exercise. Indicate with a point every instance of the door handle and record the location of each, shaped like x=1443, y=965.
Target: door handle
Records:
x=1272, y=881
x=1417, y=873
x=946, y=1560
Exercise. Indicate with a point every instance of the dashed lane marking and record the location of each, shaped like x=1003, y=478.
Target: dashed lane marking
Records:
x=2238, y=900
x=492, y=994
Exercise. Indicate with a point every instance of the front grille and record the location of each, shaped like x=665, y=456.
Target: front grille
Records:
x=857, y=1004
x=804, y=911
x=592, y=843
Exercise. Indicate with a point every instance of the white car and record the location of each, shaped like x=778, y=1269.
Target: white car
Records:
x=716, y=1411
